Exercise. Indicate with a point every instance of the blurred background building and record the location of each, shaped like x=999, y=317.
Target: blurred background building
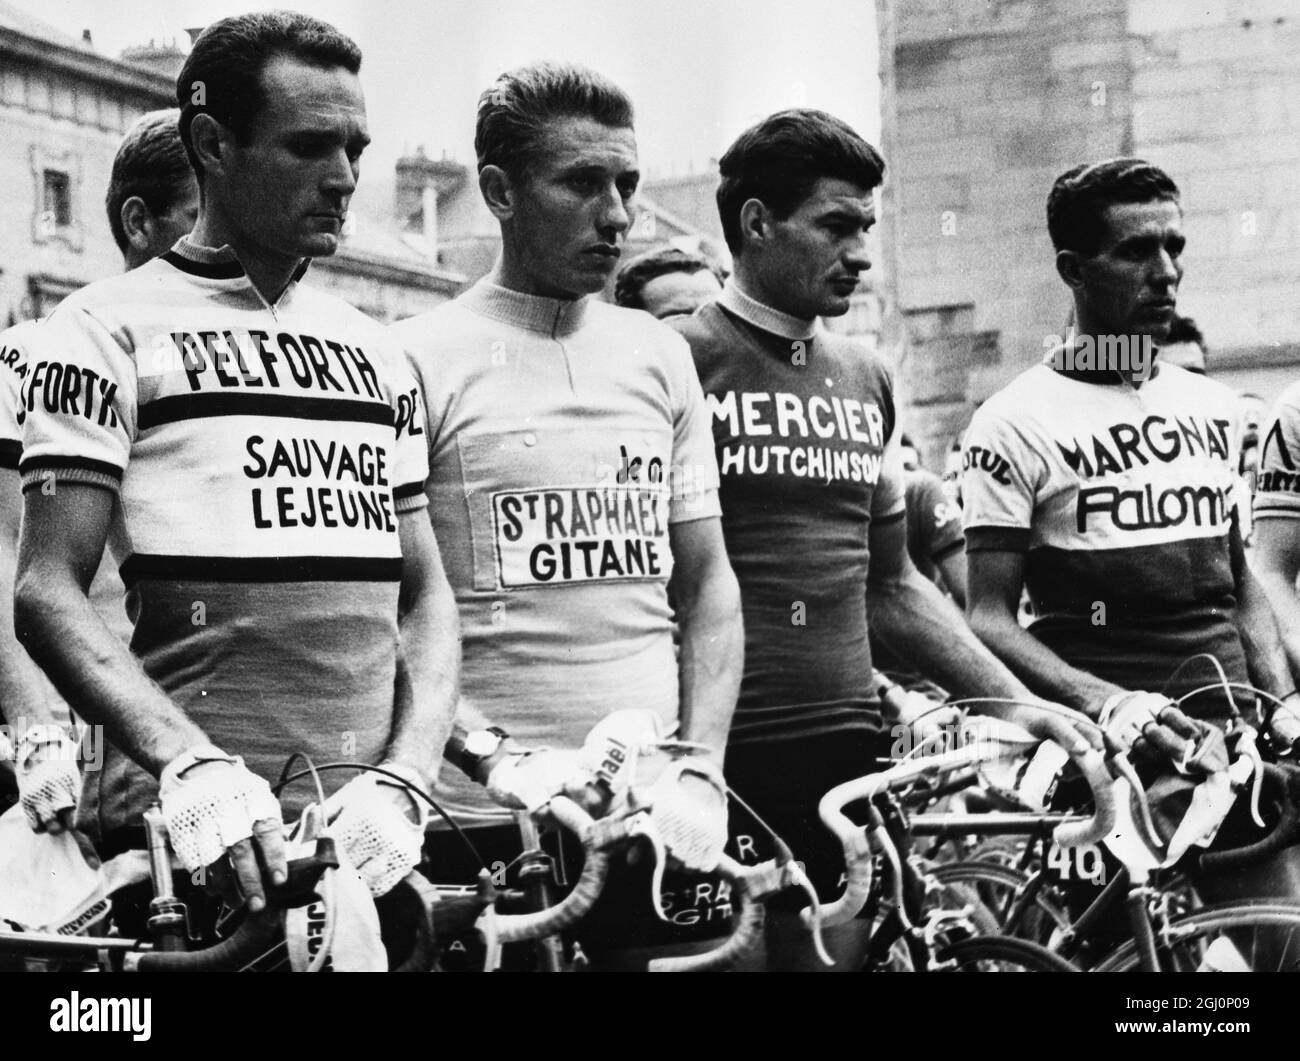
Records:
x=985, y=102
x=63, y=110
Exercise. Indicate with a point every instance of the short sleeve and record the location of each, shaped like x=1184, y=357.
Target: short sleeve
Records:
x=888, y=500
x=13, y=363
x=411, y=466
x=999, y=484
x=938, y=519
x=694, y=479
x=78, y=401
x=1277, y=495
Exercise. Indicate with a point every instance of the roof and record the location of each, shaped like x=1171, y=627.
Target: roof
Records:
x=20, y=21
x=29, y=40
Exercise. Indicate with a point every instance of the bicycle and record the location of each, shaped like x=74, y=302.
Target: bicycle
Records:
x=1168, y=934
x=936, y=939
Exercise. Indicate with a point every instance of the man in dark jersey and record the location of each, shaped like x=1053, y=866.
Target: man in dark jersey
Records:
x=1105, y=483
x=811, y=489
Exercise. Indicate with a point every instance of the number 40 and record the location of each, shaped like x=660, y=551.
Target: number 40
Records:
x=1084, y=862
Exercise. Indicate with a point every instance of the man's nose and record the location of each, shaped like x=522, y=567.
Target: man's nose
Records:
x=857, y=255
x=1167, y=271
x=615, y=212
x=341, y=176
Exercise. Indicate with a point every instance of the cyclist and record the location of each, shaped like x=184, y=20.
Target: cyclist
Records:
x=571, y=476
x=152, y=201
x=251, y=447
x=1104, y=482
x=804, y=429
x=666, y=281
x=1276, y=557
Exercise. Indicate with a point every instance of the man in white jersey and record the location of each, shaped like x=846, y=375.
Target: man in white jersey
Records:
x=1277, y=538
x=1104, y=481
x=152, y=201
x=253, y=448
x=571, y=476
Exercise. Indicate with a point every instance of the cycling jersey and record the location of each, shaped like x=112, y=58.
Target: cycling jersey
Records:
x=106, y=591
x=1277, y=494
x=260, y=455
x=565, y=437
x=933, y=521
x=1121, y=497
x=801, y=419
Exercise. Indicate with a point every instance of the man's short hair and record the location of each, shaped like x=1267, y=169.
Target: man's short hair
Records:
x=780, y=160
x=513, y=114
x=222, y=75
x=1185, y=330
x=652, y=264
x=150, y=163
x=1079, y=197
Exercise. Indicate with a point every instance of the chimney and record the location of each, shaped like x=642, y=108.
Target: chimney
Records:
x=429, y=209
x=421, y=183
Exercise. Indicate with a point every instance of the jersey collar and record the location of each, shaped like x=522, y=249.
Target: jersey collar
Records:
x=554, y=317
x=1060, y=361
x=216, y=263
x=751, y=311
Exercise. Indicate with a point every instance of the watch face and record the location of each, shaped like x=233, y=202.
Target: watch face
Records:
x=481, y=743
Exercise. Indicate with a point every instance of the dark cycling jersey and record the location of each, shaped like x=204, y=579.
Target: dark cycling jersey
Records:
x=801, y=419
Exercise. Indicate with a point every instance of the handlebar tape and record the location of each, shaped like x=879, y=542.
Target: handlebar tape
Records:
x=258, y=934
x=746, y=928
x=1277, y=786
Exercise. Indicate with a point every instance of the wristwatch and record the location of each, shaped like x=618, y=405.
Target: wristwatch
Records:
x=480, y=744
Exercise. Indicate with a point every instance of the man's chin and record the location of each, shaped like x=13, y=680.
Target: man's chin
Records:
x=318, y=245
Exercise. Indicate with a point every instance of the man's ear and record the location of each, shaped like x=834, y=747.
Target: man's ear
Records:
x=211, y=141
x=1070, y=268
x=499, y=192
x=137, y=223
x=755, y=222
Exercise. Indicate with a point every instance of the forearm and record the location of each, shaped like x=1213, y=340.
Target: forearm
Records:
x=26, y=696
x=428, y=678
x=1041, y=669
x=93, y=670
x=1285, y=604
x=711, y=660
x=1266, y=657
x=917, y=621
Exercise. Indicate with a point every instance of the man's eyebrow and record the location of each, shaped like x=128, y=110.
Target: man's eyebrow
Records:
x=843, y=212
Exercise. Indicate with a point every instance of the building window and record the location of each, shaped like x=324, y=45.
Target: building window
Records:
x=57, y=180
x=58, y=199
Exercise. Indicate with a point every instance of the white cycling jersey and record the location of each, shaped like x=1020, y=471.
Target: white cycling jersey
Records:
x=260, y=456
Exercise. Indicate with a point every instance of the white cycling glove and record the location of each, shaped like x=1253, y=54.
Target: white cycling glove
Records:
x=49, y=780
x=209, y=813
x=1125, y=715
x=610, y=752
x=376, y=835
x=693, y=826
x=530, y=780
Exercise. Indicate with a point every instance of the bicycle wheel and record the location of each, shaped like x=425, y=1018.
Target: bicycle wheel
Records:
x=1256, y=936
x=995, y=888
x=1000, y=954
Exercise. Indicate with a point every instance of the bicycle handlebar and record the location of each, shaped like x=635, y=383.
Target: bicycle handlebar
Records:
x=858, y=843
x=750, y=885
x=597, y=838
x=1278, y=784
x=255, y=935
